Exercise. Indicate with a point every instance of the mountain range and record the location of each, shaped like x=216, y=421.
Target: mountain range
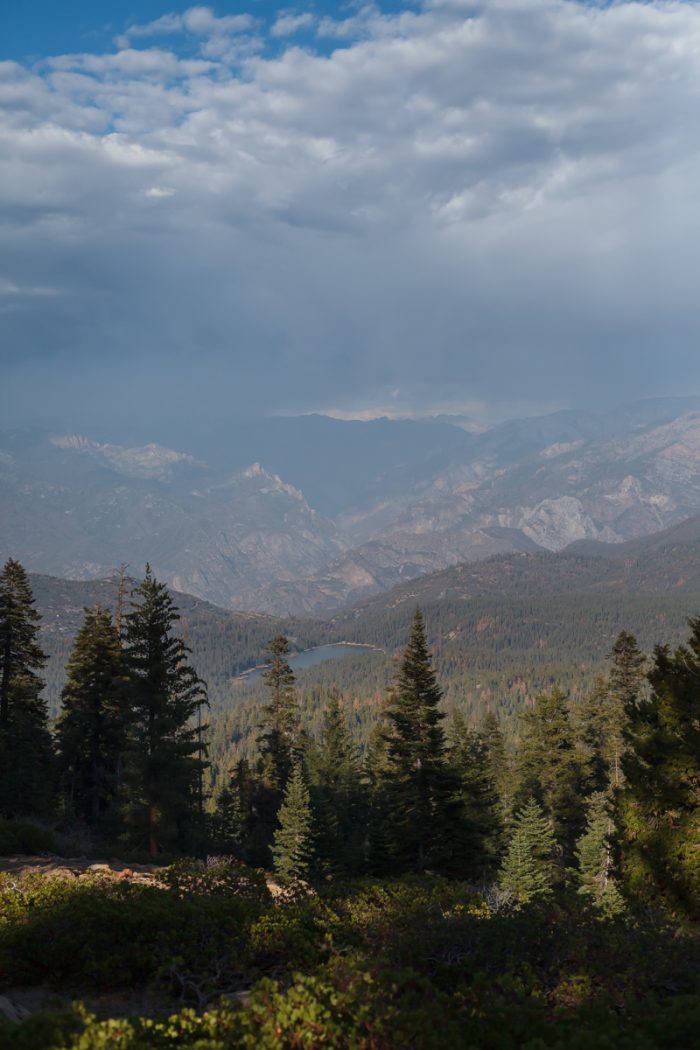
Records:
x=503, y=627
x=302, y=516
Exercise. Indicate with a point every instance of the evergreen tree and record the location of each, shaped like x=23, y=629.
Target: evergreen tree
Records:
x=235, y=819
x=594, y=856
x=26, y=755
x=337, y=795
x=604, y=711
x=293, y=849
x=482, y=809
x=551, y=768
x=528, y=868
x=164, y=760
x=281, y=725
x=93, y=722
x=376, y=774
x=424, y=808
x=658, y=809
x=280, y=746
x=591, y=725
x=498, y=760
x=626, y=680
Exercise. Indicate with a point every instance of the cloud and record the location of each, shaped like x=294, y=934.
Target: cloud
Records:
x=200, y=21
x=159, y=192
x=288, y=23
x=12, y=289
x=494, y=201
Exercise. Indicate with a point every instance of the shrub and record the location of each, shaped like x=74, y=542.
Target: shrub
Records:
x=100, y=934
x=26, y=837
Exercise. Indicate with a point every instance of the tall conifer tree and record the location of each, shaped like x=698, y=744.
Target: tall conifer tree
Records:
x=293, y=849
x=337, y=794
x=499, y=761
x=424, y=808
x=658, y=809
x=26, y=756
x=376, y=774
x=281, y=724
x=164, y=759
x=482, y=810
x=528, y=868
x=280, y=745
x=551, y=767
x=595, y=857
x=236, y=824
x=604, y=711
x=93, y=723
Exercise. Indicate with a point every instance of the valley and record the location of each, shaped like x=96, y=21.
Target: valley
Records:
x=302, y=516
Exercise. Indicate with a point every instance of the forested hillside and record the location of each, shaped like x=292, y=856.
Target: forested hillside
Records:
x=501, y=630
x=539, y=884
x=224, y=643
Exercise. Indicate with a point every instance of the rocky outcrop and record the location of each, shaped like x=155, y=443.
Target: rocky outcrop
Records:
x=250, y=539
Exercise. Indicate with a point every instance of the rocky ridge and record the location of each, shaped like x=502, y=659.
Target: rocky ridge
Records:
x=253, y=539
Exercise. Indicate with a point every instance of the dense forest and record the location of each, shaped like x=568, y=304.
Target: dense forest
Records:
x=340, y=870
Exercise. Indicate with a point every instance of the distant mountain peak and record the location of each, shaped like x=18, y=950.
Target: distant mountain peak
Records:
x=256, y=470
x=147, y=461
x=72, y=441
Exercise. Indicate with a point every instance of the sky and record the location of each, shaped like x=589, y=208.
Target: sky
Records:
x=485, y=208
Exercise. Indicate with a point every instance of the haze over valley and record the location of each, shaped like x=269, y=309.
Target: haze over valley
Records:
x=318, y=513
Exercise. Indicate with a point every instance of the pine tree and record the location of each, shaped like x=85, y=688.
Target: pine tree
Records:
x=594, y=856
x=337, y=794
x=551, y=768
x=235, y=818
x=26, y=755
x=482, y=809
x=590, y=720
x=281, y=725
x=293, y=849
x=499, y=761
x=658, y=809
x=164, y=762
x=626, y=679
x=603, y=713
x=376, y=774
x=528, y=868
x=424, y=808
x=93, y=722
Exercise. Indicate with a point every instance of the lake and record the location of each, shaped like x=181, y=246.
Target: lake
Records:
x=309, y=657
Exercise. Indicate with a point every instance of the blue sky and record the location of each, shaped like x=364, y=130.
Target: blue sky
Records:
x=44, y=27
x=478, y=206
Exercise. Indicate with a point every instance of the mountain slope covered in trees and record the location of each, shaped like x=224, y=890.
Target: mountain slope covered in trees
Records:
x=500, y=631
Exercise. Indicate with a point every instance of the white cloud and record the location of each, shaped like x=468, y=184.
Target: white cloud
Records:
x=288, y=23
x=200, y=21
x=203, y=21
x=13, y=289
x=159, y=192
x=467, y=197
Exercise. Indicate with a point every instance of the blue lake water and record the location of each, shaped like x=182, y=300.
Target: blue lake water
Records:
x=310, y=657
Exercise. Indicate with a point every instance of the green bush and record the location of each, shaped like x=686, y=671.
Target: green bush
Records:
x=344, y=1007
x=412, y=964
x=98, y=934
x=25, y=837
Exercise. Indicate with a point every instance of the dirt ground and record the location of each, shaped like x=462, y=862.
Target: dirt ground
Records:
x=77, y=867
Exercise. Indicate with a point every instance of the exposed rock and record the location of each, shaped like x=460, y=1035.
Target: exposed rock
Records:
x=251, y=539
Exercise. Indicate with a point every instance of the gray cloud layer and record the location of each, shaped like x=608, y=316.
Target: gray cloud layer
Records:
x=469, y=203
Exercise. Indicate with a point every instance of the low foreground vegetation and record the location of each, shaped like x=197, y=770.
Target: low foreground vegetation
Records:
x=416, y=962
